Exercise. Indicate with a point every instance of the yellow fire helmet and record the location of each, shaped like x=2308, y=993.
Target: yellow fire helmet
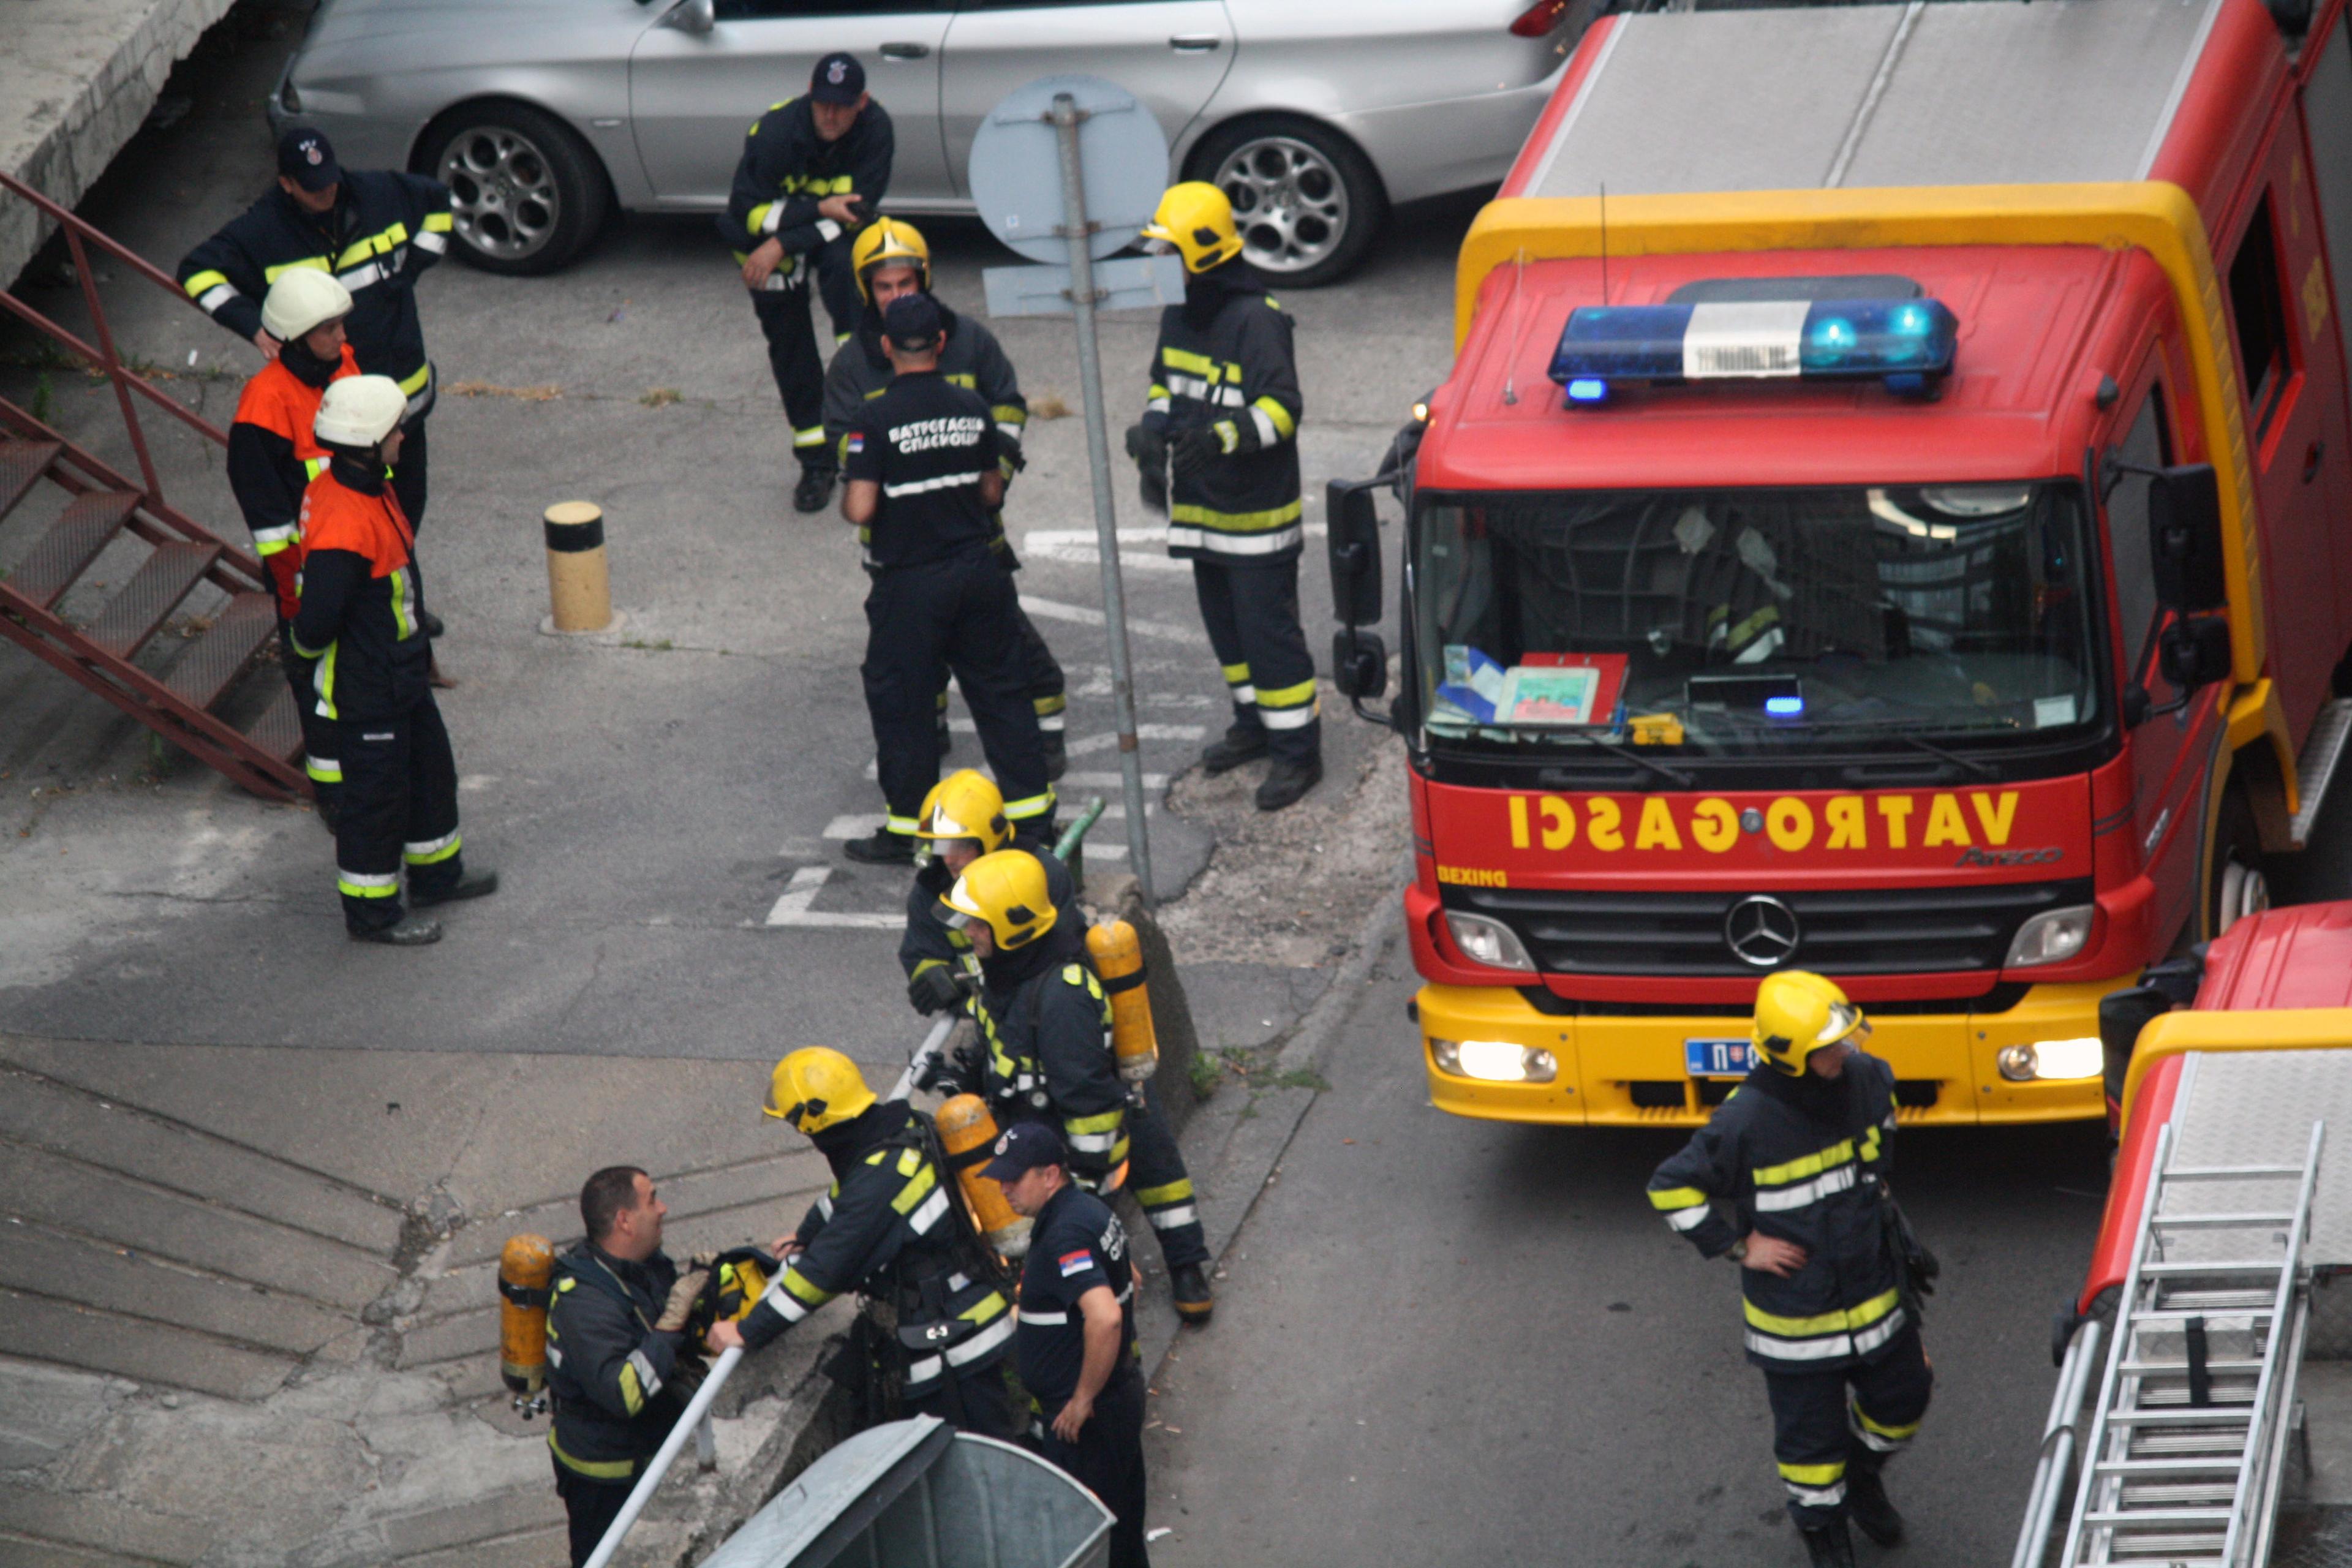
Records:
x=1196, y=218
x=816, y=1088
x=888, y=241
x=1007, y=891
x=1798, y=1012
x=965, y=805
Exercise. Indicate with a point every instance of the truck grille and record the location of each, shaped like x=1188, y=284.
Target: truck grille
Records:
x=1866, y=930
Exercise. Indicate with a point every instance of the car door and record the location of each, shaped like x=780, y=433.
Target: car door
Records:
x=1172, y=54
x=692, y=95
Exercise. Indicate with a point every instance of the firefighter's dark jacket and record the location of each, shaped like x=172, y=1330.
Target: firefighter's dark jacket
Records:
x=971, y=359
x=611, y=1373
x=886, y=1228
x=273, y=457
x=1045, y=1022
x=1802, y=1159
x=929, y=941
x=1224, y=362
x=362, y=599
x=384, y=228
x=787, y=169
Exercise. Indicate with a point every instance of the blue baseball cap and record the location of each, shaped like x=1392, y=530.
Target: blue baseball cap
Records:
x=838, y=79
x=913, y=320
x=307, y=158
x=1022, y=1148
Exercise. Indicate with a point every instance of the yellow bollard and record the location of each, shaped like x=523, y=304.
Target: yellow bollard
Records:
x=579, y=586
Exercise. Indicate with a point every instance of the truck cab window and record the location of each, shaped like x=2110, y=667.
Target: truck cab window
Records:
x=2260, y=310
x=2147, y=445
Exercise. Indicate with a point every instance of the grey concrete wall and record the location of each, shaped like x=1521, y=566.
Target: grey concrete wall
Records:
x=77, y=79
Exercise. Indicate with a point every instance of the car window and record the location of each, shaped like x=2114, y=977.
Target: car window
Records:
x=2146, y=445
x=2260, y=316
x=774, y=10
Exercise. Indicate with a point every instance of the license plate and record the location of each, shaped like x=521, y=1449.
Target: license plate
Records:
x=1718, y=1059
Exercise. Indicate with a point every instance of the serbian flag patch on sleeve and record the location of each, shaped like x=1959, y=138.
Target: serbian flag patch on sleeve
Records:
x=856, y=442
x=1077, y=1262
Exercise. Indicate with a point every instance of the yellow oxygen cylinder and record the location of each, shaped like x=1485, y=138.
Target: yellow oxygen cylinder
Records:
x=524, y=1267
x=1118, y=959
x=967, y=1133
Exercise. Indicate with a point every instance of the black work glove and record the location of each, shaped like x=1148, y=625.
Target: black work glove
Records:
x=934, y=989
x=1194, y=450
x=1148, y=446
x=941, y=1075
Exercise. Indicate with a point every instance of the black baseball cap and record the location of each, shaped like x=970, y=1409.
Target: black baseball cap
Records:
x=913, y=322
x=838, y=79
x=308, y=158
x=1022, y=1148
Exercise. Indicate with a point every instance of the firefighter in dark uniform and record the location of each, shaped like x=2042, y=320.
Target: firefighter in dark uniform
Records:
x=814, y=171
x=272, y=457
x=621, y=1365
x=1078, y=1356
x=1046, y=1035
x=890, y=1228
x=373, y=232
x=923, y=479
x=361, y=617
x=1223, y=413
x=890, y=258
x=1788, y=1178
x=964, y=819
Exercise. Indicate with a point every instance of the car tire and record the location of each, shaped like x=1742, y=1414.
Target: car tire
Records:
x=527, y=196
x=2235, y=886
x=1306, y=200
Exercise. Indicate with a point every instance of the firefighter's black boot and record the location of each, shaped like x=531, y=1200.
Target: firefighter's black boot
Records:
x=814, y=490
x=410, y=932
x=884, y=849
x=1829, y=1547
x=1866, y=1505
x=1190, y=1287
x=478, y=882
x=1243, y=743
x=1286, y=783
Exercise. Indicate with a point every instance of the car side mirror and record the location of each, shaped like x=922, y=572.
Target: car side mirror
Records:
x=1355, y=547
x=2184, y=539
x=2195, y=652
x=696, y=17
x=1359, y=664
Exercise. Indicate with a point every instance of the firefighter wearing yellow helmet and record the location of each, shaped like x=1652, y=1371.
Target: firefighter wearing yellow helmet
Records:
x=1218, y=451
x=892, y=259
x=1789, y=1179
x=962, y=819
x=1045, y=1037
x=890, y=1229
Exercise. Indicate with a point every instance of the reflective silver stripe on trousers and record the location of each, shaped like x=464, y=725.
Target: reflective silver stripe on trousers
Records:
x=1817, y=1496
x=1829, y=1346
x=428, y=846
x=648, y=1381
x=980, y=1343
x=1797, y=1195
x=1169, y=1219
x=1289, y=717
x=1192, y=536
x=944, y=483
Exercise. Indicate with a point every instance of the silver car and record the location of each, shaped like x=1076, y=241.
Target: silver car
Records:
x=1315, y=115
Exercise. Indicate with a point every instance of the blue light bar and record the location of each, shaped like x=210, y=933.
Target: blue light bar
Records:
x=1784, y=707
x=1587, y=389
x=1909, y=343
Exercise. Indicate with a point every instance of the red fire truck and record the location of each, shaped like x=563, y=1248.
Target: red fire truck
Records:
x=1891, y=514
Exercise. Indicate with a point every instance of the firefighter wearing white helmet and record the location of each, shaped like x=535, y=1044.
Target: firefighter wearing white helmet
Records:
x=273, y=456
x=1218, y=448
x=361, y=616
x=1046, y=1032
x=890, y=1228
x=1788, y=1178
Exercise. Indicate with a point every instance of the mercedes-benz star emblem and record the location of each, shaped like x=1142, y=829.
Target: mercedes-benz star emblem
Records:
x=1762, y=931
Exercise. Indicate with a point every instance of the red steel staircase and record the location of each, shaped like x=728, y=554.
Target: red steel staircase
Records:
x=122, y=651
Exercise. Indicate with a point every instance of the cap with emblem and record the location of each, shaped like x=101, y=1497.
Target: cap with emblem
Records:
x=1024, y=1147
x=306, y=157
x=913, y=322
x=838, y=79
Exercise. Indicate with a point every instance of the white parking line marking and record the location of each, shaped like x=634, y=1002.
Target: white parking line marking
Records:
x=1142, y=732
x=791, y=908
x=1054, y=610
x=1106, y=780
x=1080, y=547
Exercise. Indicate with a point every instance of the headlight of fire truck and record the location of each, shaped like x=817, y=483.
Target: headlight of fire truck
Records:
x=1486, y=941
x=1496, y=1061
x=2076, y=1059
x=2052, y=937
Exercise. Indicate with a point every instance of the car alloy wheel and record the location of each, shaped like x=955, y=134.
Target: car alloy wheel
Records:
x=503, y=197
x=1289, y=203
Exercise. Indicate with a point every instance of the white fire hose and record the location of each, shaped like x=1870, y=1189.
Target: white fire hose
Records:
x=698, y=1410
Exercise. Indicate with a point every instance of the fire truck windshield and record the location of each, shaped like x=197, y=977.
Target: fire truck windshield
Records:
x=1747, y=621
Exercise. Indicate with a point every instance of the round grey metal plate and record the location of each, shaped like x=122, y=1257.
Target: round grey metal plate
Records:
x=1015, y=177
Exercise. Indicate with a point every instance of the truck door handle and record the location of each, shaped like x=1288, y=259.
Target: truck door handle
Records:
x=2311, y=460
x=904, y=51
x=1194, y=43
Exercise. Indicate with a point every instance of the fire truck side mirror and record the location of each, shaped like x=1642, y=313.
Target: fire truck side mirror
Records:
x=1359, y=664
x=2184, y=529
x=2194, y=652
x=1355, y=546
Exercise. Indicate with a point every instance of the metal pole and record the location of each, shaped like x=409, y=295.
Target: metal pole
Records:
x=720, y=1371
x=1082, y=301
x=706, y=1445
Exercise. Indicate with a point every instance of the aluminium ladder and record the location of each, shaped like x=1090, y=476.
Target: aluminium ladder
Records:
x=2185, y=1456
